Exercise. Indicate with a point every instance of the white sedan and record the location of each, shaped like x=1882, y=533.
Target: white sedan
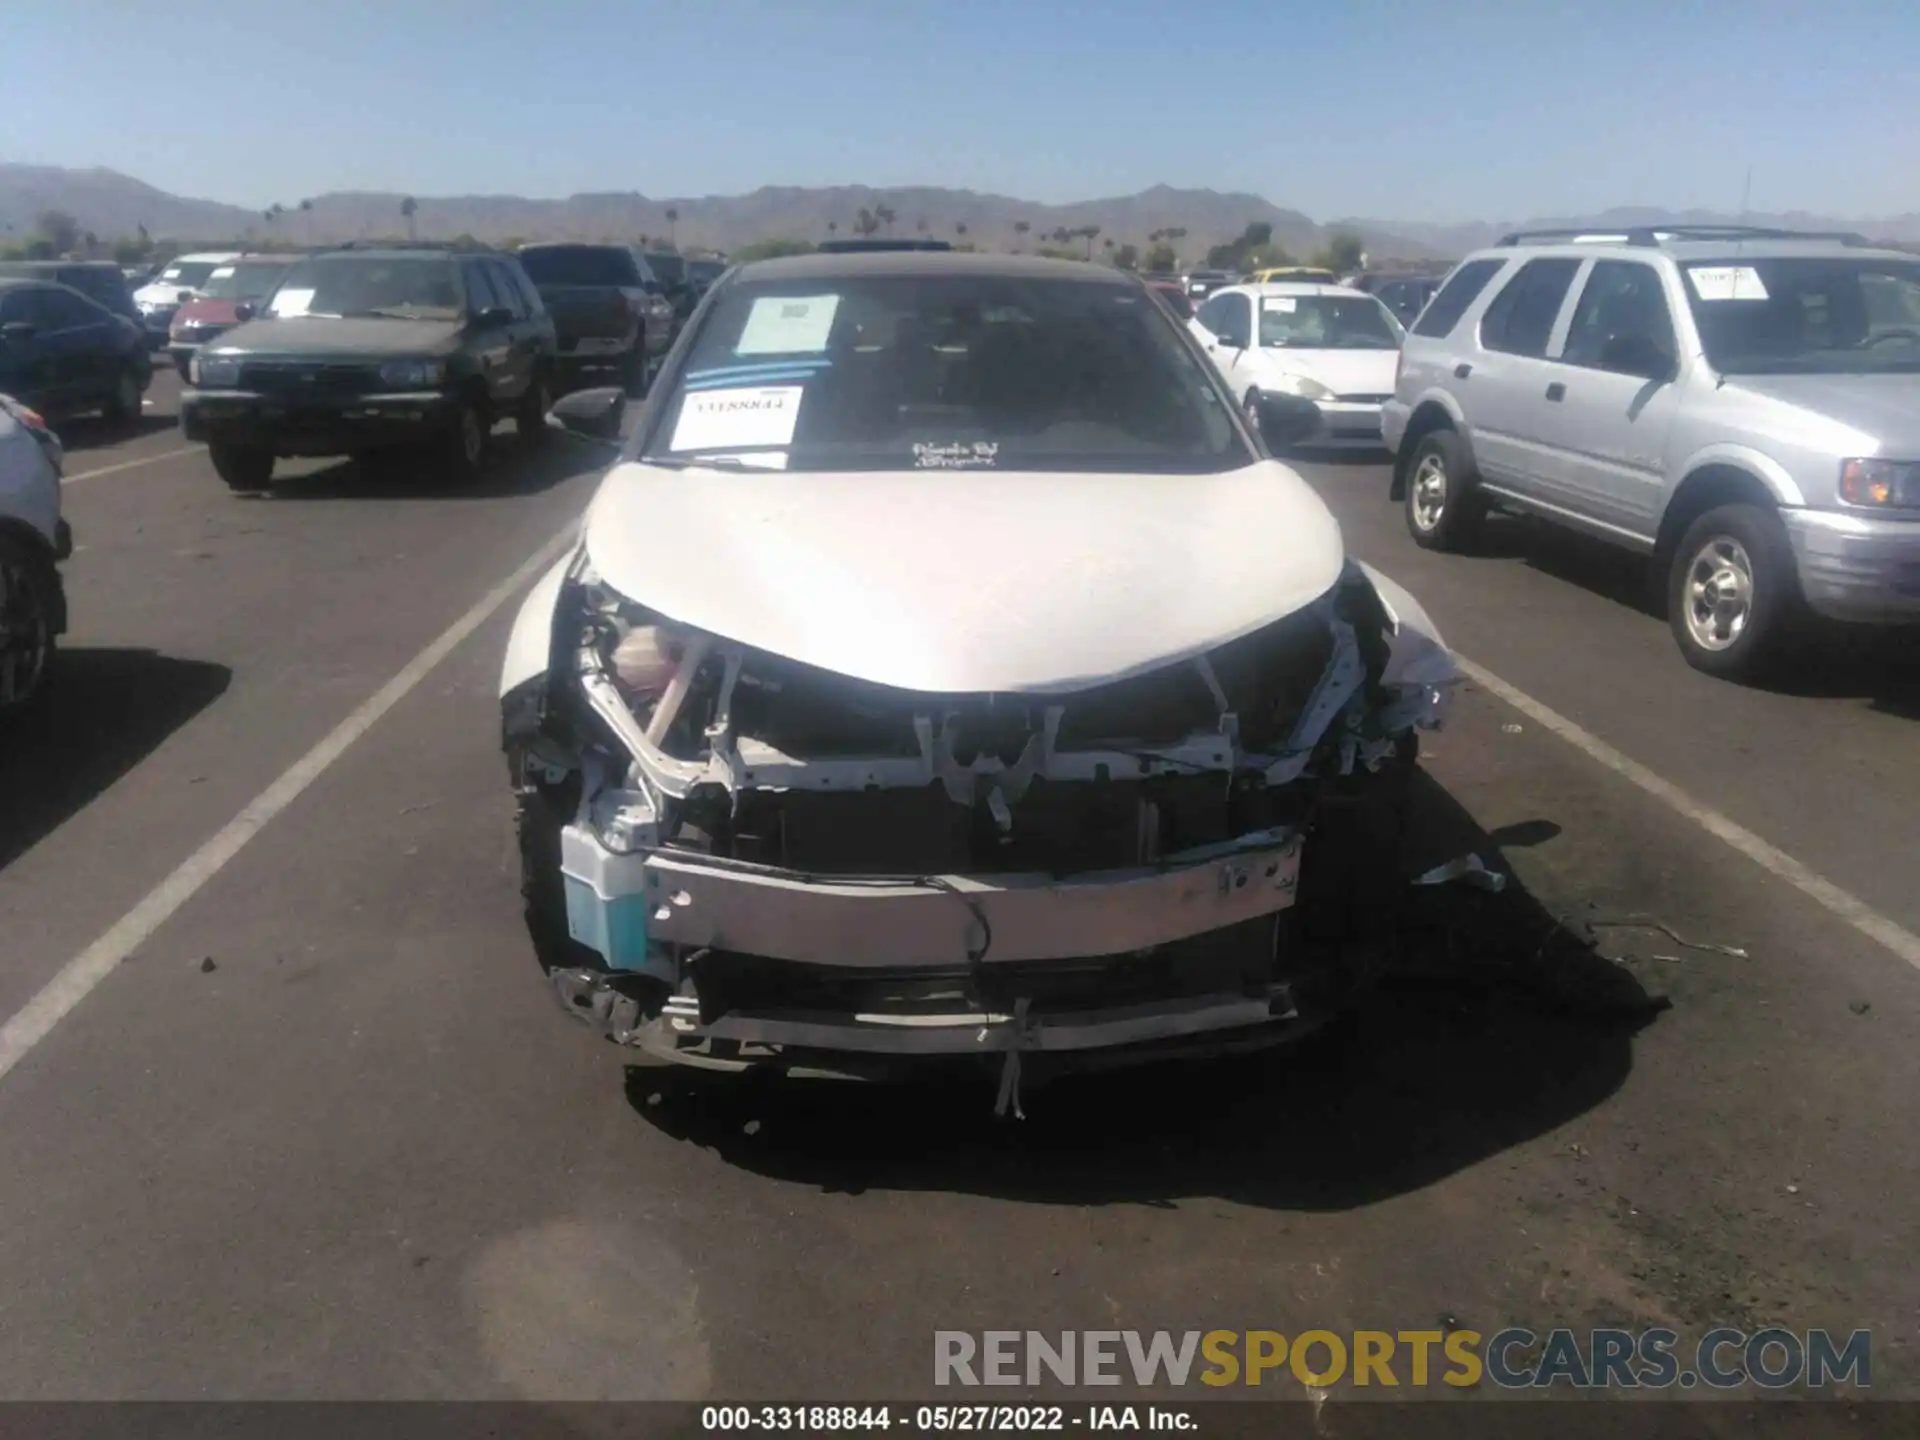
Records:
x=943, y=673
x=1310, y=364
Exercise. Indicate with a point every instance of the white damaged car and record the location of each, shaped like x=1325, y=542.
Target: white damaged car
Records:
x=947, y=671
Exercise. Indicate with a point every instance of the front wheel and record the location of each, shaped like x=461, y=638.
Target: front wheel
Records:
x=1444, y=508
x=530, y=419
x=29, y=601
x=1732, y=595
x=247, y=469
x=465, y=448
x=123, y=405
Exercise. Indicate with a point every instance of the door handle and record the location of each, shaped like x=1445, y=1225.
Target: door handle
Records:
x=1462, y=370
x=1556, y=391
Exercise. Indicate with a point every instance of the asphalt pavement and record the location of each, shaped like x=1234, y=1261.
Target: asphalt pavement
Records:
x=295, y=1118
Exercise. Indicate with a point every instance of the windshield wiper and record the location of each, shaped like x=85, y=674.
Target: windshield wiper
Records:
x=392, y=312
x=711, y=462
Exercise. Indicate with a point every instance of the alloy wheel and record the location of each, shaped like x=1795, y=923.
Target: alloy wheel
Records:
x=1719, y=593
x=1429, y=492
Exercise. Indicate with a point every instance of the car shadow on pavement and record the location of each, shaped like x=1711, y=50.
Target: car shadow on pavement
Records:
x=1855, y=662
x=512, y=468
x=1497, y=1022
x=90, y=432
x=104, y=711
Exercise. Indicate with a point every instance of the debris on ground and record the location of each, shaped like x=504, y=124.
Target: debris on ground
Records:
x=1648, y=922
x=1510, y=728
x=207, y=967
x=1860, y=1007
x=1469, y=869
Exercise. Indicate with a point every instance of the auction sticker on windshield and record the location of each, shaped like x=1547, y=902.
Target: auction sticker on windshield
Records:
x=1285, y=303
x=1727, y=282
x=288, y=303
x=731, y=419
x=788, y=325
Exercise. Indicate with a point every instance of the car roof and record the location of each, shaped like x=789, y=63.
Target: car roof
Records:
x=1294, y=287
x=572, y=245
x=928, y=263
x=1720, y=243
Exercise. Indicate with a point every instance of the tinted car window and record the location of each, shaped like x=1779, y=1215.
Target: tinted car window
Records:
x=480, y=292
x=1463, y=287
x=248, y=280
x=1326, y=322
x=580, y=265
x=529, y=294
x=190, y=276
x=670, y=269
x=1520, y=319
x=1213, y=314
x=506, y=289
x=944, y=372
x=20, y=307
x=64, y=310
x=1621, y=300
x=1236, y=318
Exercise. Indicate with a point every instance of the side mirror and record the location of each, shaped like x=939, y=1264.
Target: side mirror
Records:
x=494, y=316
x=184, y=296
x=1637, y=355
x=591, y=414
x=1233, y=340
x=17, y=332
x=244, y=311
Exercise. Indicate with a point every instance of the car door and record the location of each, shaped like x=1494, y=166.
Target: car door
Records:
x=492, y=341
x=86, y=344
x=27, y=369
x=1615, y=391
x=1507, y=406
x=1226, y=333
x=523, y=347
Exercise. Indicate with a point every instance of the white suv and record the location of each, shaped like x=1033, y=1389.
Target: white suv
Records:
x=1740, y=405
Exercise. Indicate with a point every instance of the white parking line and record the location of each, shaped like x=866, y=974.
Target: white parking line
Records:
x=77, y=978
x=1776, y=862
x=133, y=464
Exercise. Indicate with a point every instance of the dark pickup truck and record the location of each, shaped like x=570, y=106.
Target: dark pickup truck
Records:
x=611, y=314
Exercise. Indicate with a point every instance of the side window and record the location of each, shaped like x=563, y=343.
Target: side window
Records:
x=529, y=292
x=648, y=280
x=1622, y=301
x=1212, y=315
x=61, y=310
x=480, y=296
x=1520, y=319
x=504, y=287
x=1463, y=287
x=1237, y=319
x=20, y=307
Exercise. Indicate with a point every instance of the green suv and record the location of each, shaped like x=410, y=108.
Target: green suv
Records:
x=369, y=351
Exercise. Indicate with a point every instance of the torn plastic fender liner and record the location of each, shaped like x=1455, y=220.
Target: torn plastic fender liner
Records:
x=634, y=904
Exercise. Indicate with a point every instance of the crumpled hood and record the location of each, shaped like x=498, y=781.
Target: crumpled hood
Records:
x=323, y=335
x=958, y=581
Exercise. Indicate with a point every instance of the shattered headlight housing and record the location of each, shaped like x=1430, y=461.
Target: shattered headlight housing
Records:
x=215, y=372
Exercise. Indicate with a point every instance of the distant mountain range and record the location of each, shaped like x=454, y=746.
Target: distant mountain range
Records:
x=110, y=204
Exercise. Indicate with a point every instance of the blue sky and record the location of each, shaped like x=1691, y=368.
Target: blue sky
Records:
x=1469, y=109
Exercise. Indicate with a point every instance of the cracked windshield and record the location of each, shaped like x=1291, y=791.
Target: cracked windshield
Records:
x=900, y=719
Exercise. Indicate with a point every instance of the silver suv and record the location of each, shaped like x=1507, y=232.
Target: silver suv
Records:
x=1740, y=405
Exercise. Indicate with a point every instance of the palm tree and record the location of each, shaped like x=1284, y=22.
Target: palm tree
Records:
x=833, y=228
x=1020, y=228
x=866, y=223
x=921, y=224
x=408, y=208
x=1090, y=233
x=959, y=227
x=886, y=216
x=673, y=227
x=306, y=210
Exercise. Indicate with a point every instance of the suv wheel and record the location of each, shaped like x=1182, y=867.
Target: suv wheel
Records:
x=245, y=468
x=530, y=419
x=123, y=405
x=28, y=603
x=1444, y=507
x=1731, y=593
x=465, y=448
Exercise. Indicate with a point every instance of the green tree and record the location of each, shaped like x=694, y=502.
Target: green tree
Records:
x=833, y=228
x=1020, y=228
x=1088, y=233
x=771, y=248
x=866, y=223
x=1127, y=257
x=409, y=207
x=59, y=229
x=1161, y=257
x=673, y=227
x=306, y=217
x=960, y=227
x=887, y=216
x=1343, y=252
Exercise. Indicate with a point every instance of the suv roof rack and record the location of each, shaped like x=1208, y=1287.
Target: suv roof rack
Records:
x=453, y=247
x=859, y=247
x=1652, y=236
